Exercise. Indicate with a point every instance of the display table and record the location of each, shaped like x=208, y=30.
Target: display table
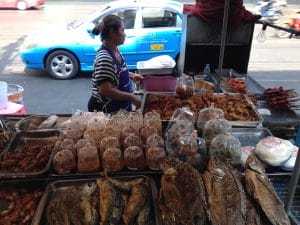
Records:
x=13, y=109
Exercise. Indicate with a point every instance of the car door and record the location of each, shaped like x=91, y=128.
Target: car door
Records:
x=128, y=49
x=160, y=33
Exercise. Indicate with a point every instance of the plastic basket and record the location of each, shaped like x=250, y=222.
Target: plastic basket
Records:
x=157, y=83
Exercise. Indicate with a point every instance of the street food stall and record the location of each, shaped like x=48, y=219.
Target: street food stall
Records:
x=197, y=154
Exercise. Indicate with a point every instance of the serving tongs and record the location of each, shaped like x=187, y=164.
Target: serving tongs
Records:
x=3, y=126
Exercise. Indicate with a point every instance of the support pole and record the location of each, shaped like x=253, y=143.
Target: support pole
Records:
x=293, y=184
x=223, y=40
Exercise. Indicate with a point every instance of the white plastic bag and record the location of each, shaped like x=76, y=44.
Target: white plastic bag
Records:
x=158, y=62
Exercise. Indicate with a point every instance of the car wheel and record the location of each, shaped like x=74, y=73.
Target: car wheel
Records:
x=22, y=5
x=62, y=65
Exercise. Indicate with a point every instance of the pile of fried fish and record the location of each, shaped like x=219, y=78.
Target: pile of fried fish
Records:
x=221, y=196
x=106, y=202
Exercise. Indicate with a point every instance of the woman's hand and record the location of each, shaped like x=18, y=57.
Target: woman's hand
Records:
x=136, y=77
x=136, y=101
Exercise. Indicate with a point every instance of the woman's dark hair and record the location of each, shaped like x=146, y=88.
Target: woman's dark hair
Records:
x=109, y=22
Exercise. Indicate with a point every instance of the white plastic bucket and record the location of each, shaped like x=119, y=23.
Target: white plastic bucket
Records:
x=3, y=95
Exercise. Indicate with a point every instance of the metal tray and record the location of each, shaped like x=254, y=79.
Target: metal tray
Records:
x=281, y=186
x=226, y=74
x=250, y=136
x=20, y=186
x=233, y=123
x=124, y=172
x=17, y=143
x=52, y=188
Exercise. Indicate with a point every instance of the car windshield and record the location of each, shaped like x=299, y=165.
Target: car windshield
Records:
x=93, y=14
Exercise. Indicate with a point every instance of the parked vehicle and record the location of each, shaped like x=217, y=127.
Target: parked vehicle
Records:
x=21, y=4
x=151, y=30
x=270, y=10
x=292, y=23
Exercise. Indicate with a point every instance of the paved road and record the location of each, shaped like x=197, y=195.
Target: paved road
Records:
x=272, y=63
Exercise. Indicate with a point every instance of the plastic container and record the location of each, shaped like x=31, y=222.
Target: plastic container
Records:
x=3, y=95
x=145, y=70
x=15, y=93
x=159, y=83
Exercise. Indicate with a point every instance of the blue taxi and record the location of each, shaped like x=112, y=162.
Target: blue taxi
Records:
x=151, y=30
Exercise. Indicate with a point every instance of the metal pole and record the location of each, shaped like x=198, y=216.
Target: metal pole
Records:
x=293, y=184
x=222, y=48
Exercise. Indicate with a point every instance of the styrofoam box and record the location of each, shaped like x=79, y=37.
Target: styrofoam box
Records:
x=152, y=71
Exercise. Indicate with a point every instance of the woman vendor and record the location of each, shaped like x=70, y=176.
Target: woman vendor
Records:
x=111, y=85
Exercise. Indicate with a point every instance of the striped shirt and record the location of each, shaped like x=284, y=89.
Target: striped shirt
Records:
x=105, y=70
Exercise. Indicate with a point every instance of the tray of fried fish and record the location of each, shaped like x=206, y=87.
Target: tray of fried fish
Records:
x=103, y=200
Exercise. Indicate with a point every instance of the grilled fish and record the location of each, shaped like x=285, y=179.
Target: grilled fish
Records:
x=259, y=187
x=225, y=193
x=57, y=211
x=117, y=210
x=90, y=213
x=124, y=185
x=107, y=197
x=144, y=215
x=182, y=198
x=139, y=195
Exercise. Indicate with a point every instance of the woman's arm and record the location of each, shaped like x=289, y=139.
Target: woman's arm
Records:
x=106, y=89
x=135, y=77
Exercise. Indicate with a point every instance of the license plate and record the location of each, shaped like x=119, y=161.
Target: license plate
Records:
x=156, y=47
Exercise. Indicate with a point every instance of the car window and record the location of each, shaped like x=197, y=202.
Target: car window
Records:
x=155, y=17
x=126, y=15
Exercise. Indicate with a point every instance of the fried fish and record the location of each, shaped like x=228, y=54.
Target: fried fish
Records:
x=260, y=188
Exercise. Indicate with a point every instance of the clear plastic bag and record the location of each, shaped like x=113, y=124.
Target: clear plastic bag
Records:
x=96, y=135
x=88, y=159
x=134, y=158
x=175, y=130
x=227, y=148
x=118, y=120
x=207, y=114
x=108, y=142
x=112, y=131
x=214, y=127
x=153, y=119
x=135, y=119
x=183, y=113
x=112, y=160
x=190, y=144
x=155, y=140
x=147, y=131
x=184, y=87
x=83, y=142
x=132, y=140
x=155, y=157
x=64, y=162
x=97, y=121
x=130, y=129
x=68, y=144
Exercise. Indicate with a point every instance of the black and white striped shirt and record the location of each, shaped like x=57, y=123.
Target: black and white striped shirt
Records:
x=105, y=70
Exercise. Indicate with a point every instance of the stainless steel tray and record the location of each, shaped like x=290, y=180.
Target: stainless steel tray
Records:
x=250, y=136
x=22, y=125
x=54, y=187
x=233, y=123
x=17, y=143
x=18, y=189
